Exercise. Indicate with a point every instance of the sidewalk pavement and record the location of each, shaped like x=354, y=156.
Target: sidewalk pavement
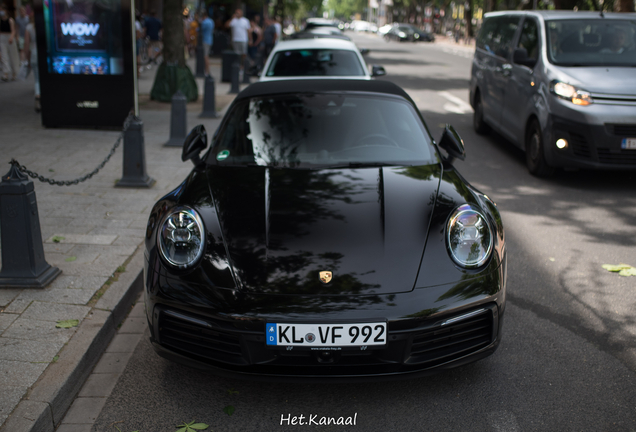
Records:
x=94, y=233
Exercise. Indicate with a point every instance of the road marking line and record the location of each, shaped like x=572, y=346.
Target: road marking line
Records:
x=457, y=105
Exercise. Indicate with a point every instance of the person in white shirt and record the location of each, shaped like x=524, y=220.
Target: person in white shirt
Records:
x=279, y=29
x=241, y=34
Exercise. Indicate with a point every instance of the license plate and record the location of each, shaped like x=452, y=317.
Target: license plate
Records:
x=628, y=144
x=326, y=335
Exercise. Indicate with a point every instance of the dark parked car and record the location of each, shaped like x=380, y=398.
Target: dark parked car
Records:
x=325, y=235
x=408, y=33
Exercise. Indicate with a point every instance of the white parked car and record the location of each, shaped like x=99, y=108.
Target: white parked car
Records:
x=317, y=58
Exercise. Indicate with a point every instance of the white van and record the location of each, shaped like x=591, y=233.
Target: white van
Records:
x=559, y=84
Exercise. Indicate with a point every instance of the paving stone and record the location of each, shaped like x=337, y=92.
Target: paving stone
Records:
x=6, y=319
x=28, y=351
x=19, y=374
x=134, y=325
x=84, y=410
x=57, y=248
x=99, y=385
x=88, y=239
x=18, y=306
x=46, y=311
x=60, y=295
x=129, y=241
x=73, y=281
x=124, y=343
x=113, y=363
x=9, y=398
x=30, y=329
x=7, y=295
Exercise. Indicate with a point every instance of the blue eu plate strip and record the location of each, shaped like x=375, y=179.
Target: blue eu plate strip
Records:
x=270, y=332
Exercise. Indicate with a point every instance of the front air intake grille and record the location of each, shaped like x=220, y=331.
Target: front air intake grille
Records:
x=454, y=340
x=626, y=130
x=624, y=157
x=199, y=337
x=579, y=144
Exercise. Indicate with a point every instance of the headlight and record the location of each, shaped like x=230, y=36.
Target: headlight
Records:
x=402, y=34
x=468, y=237
x=181, y=238
x=571, y=93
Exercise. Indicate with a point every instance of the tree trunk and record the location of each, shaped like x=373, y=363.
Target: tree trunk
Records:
x=173, y=74
x=468, y=14
x=625, y=6
x=173, y=43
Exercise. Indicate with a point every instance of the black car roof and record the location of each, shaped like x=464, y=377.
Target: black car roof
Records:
x=267, y=88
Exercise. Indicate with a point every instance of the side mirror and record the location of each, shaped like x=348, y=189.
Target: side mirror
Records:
x=195, y=143
x=377, y=71
x=453, y=144
x=520, y=56
x=364, y=51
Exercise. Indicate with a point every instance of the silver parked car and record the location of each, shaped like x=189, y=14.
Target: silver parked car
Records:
x=560, y=85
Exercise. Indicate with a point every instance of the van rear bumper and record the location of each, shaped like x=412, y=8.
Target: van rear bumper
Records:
x=589, y=146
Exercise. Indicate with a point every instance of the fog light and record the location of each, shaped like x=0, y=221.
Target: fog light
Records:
x=561, y=143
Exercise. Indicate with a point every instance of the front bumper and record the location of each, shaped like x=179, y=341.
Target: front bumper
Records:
x=589, y=146
x=230, y=341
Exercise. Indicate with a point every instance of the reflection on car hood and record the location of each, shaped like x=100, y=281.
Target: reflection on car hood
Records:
x=610, y=80
x=283, y=227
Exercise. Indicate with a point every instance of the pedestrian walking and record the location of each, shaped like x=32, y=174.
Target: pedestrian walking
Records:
x=21, y=21
x=207, y=37
x=30, y=53
x=241, y=35
x=153, y=31
x=140, y=35
x=257, y=38
x=270, y=37
x=8, y=45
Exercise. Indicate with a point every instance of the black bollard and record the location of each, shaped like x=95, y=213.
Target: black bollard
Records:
x=23, y=263
x=209, y=99
x=134, y=168
x=177, y=120
x=246, y=68
x=200, y=67
x=235, y=77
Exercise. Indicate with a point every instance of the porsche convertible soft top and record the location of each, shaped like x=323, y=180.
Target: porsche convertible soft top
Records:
x=320, y=85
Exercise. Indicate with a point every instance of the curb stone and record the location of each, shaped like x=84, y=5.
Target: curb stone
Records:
x=53, y=393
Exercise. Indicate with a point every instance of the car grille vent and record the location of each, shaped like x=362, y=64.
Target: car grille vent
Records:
x=579, y=144
x=199, y=338
x=445, y=343
x=625, y=157
x=626, y=130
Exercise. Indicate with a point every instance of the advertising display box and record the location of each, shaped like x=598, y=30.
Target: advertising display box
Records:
x=86, y=62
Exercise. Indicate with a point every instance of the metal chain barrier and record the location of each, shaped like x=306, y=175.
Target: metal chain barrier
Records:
x=50, y=181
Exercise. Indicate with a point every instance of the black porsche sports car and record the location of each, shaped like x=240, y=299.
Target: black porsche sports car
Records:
x=325, y=235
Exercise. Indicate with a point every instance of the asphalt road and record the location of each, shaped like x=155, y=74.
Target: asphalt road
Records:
x=567, y=360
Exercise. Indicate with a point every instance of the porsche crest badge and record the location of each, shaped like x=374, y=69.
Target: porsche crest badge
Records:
x=325, y=276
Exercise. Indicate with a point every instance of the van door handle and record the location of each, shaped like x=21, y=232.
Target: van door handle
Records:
x=505, y=69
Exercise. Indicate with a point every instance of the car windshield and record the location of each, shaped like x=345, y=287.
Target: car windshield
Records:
x=595, y=42
x=322, y=130
x=315, y=62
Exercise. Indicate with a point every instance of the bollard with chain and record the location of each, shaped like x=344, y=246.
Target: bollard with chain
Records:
x=177, y=120
x=209, y=99
x=23, y=263
x=235, y=77
x=246, y=68
x=134, y=169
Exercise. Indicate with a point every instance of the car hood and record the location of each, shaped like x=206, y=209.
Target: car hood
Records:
x=282, y=227
x=610, y=80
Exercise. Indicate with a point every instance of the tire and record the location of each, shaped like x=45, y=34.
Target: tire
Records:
x=478, y=117
x=535, y=158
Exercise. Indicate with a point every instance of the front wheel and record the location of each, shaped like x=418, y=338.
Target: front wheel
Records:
x=535, y=158
x=478, y=118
